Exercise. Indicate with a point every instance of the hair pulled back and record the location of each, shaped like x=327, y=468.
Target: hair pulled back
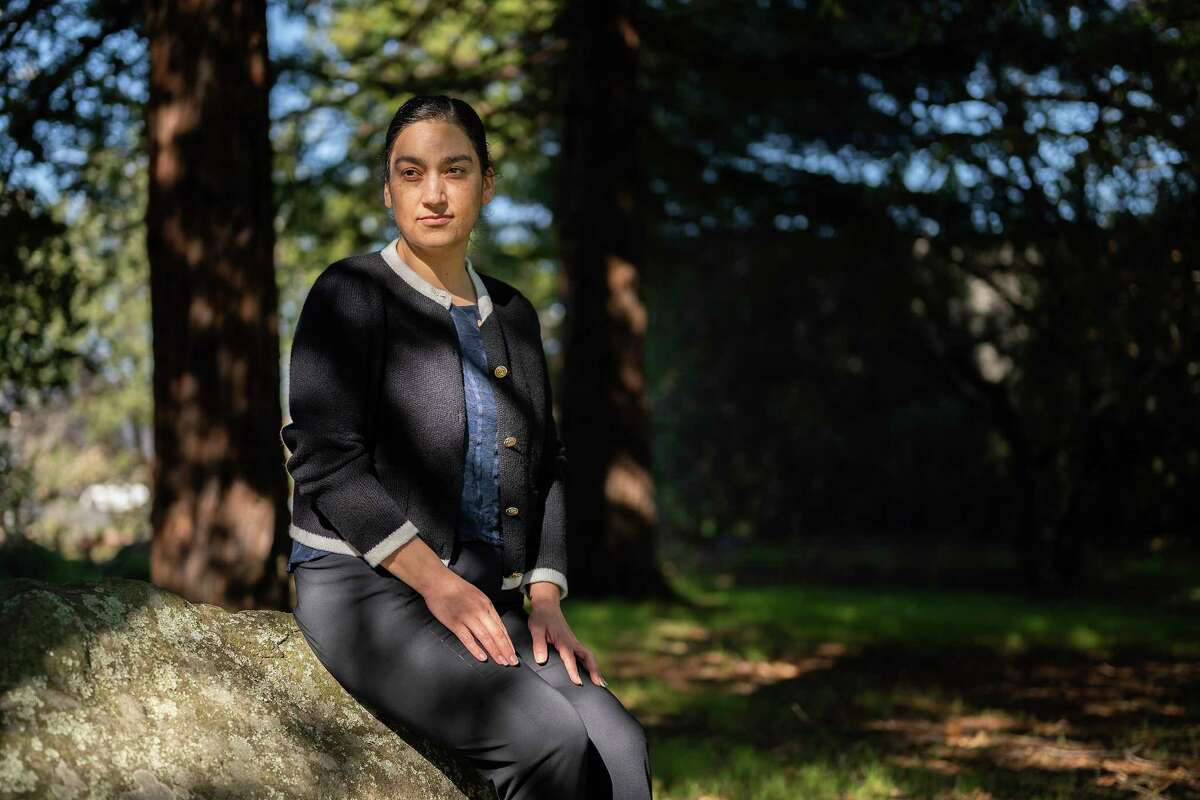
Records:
x=440, y=107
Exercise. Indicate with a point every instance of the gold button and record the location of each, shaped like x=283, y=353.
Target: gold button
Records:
x=501, y=371
x=510, y=441
x=511, y=511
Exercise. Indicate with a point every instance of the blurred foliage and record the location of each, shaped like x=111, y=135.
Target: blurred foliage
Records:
x=929, y=269
x=925, y=269
x=76, y=400
x=36, y=292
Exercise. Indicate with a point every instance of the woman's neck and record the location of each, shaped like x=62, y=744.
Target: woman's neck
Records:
x=444, y=270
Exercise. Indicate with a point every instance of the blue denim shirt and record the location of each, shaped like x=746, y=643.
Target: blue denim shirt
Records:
x=479, y=516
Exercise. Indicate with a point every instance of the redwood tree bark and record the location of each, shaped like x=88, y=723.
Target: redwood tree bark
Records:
x=220, y=491
x=611, y=513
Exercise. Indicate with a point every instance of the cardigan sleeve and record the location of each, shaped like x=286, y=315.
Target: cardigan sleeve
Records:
x=336, y=352
x=551, y=563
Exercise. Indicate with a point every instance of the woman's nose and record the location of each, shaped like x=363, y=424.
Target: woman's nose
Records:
x=435, y=191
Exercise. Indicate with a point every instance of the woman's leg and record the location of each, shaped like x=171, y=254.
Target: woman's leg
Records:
x=378, y=639
x=527, y=728
x=619, y=762
x=620, y=758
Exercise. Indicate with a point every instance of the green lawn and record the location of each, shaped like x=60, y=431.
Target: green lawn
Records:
x=890, y=676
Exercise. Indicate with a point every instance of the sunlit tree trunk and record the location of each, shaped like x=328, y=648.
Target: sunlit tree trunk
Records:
x=220, y=491
x=611, y=513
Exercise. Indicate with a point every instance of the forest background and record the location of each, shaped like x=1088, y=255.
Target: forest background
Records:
x=901, y=293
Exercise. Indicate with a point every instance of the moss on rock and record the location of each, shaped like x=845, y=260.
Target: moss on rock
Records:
x=119, y=689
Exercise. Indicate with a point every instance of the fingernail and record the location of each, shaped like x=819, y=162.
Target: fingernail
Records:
x=604, y=683
x=515, y=661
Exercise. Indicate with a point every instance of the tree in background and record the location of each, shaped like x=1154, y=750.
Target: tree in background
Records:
x=927, y=269
x=220, y=494
x=601, y=220
x=66, y=199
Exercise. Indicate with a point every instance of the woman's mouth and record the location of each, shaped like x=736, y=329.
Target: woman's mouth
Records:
x=435, y=221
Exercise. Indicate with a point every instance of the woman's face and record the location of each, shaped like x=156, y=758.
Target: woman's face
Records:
x=435, y=188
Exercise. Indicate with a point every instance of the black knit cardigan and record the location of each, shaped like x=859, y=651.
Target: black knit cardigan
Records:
x=378, y=422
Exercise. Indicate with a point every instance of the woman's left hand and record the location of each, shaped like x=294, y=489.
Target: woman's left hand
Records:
x=548, y=626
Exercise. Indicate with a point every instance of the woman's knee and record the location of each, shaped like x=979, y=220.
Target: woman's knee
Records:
x=564, y=732
x=611, y=722
x=627, y=734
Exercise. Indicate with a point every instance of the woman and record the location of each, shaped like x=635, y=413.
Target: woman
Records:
x=429, y=498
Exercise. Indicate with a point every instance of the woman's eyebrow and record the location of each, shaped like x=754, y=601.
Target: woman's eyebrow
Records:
x=421, y=162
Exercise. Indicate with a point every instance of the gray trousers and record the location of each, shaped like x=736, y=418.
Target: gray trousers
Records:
x=528, y=729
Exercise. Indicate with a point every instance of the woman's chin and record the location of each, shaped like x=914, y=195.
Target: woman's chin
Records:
x=432, y=238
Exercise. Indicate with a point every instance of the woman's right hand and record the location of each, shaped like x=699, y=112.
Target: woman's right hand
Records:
x=469, y=614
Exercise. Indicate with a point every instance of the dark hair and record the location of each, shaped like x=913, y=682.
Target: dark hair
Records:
x=437, y=107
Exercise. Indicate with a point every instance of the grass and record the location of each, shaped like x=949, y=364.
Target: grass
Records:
x=822, y=675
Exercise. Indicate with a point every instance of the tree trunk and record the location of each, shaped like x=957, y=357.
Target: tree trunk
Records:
x=220, y=491
x=611, y=514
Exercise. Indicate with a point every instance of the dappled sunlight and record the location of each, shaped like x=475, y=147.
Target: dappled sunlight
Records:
x=866, y=715
x=680, y=654
x=956, y=744
x=712, y=670
x=1105, y=690
x=935, y=735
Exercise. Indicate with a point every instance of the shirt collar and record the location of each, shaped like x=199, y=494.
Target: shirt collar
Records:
x=439, y=296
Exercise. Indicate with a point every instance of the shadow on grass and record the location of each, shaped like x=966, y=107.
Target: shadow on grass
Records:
x=888, y=721
x=26, y=559
x=877, y=670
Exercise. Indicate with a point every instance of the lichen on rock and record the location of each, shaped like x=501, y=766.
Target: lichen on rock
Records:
x=119, y=689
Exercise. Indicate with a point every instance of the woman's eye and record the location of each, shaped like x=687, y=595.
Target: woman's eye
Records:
x=460, y=169
x=408, y=173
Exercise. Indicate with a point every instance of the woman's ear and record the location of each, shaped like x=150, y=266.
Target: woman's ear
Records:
x=489, y=185
x=387, y=197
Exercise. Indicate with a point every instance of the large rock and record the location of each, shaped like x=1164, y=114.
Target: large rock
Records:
x=118, y=689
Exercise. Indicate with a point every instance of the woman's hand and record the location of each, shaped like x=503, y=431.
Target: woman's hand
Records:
x=469, y=613
x=548, y=626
